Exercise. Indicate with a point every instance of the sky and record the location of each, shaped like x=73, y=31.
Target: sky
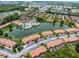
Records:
x=39, y=0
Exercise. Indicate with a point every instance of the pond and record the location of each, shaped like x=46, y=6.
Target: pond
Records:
x=18, y=33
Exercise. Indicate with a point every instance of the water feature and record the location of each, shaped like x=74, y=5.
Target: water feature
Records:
x=18, y=33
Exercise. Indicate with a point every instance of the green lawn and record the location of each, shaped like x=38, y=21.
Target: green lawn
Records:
x=6, y=29
x=68, y=51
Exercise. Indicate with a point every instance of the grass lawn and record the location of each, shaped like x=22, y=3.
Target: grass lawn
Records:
x=67, y=51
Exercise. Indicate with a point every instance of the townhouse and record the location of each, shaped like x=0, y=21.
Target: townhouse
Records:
x=38, y=51
x=7, y=42
x=71, y=30
x=47, y=33
x=54, y=43
x=31, y=38
x=60, y=31
x=71, y=39
x=51, y=44
x=77, y=25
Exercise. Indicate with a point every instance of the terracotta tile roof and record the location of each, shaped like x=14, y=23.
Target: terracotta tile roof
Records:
x=71, y=39
x=38, y=51
x=72, y=30
x=59, y=31
x=17, y=22
x=54, y=43
x=7, y=42
x=2, y=26
x=77, y=25
x=47, y=33
x=72, y=17
x=30, y=38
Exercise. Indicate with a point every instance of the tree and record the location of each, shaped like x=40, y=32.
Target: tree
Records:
x=1, y=46
x=28, y=55
x=14, y=50
x=10, y=28
x=48, y=54
x=18, y=45
x=61, y=23
x=71, y=24
x=1, y=32
x=19, y=48
x=6, y=35
x=54, y=22
x=77, y=47
x=19, y=42
x=39, y=19
x=12, y=17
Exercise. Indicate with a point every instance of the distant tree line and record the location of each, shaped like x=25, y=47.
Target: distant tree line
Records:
x=11, y=8
x=70, y=14
x=9, y=18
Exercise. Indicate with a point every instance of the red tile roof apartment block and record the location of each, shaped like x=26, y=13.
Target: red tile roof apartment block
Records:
x=47, y=33
x=54, y=43
x=71, y=39
x=38, y=51
x=71, y=30
x=77, y=25
x=61, y=31
x=7, y=42
x=3, y=26
x=31, y=38
x=17, y=22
